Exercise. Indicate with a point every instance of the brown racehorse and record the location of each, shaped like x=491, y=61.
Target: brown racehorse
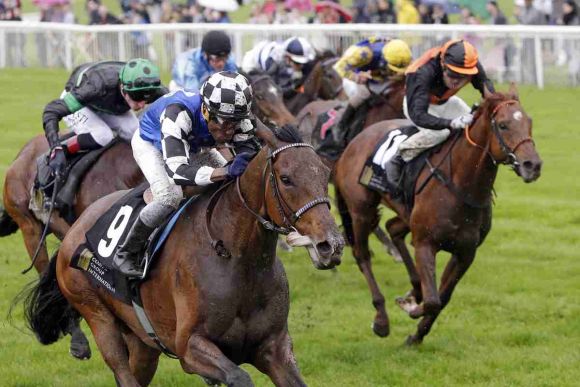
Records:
x=98, y=182
x=212, y=311
x=322, y=83
x=452, y=211
x=385, y=106
x=268, y=103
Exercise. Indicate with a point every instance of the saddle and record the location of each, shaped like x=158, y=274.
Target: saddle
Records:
x=374, y=177
x=45, y=182
x=95, y=257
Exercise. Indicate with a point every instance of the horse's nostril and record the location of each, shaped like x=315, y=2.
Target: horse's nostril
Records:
x=324, y=248
x=528, y=165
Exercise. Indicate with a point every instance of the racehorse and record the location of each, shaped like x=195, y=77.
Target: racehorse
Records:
x=114, y=170
x=322, y=83
x=212, y=311
x=268, y=103
x=386, y=105
x=452, y=203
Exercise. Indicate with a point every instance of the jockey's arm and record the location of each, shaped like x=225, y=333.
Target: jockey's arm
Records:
x=480, y=80
x=354, y=58
x=54, y=112
x=418, y=100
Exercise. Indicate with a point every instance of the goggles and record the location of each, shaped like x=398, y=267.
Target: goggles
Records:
x=222, y=121
x=452, y=74
x=142, y=83
x=218, y=57
x=140, y=95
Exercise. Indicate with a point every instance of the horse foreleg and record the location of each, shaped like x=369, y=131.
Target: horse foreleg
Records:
x=275, y=358
x=204, y=358
x=362, y=228
x=398, y=230
x=143, y=359
x=388, y=244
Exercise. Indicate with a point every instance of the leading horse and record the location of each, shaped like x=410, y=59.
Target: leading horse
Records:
x=213, y=311
x=452, y=203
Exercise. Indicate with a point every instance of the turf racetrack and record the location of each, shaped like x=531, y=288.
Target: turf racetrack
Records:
x=513, y=319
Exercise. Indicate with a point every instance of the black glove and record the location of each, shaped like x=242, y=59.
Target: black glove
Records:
x=239, y=164
x=57, y=160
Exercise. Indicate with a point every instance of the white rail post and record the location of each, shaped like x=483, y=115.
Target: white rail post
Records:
x=68, y=61
x=539, y=63
x=2, y=48
x=121, y=41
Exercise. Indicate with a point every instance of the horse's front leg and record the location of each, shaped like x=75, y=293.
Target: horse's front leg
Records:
x=204, y=358
x=431, y=306
x=275, y=358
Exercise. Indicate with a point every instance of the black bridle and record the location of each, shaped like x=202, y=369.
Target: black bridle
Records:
x=289, y=216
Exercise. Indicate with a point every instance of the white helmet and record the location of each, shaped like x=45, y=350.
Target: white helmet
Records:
x=299, y=50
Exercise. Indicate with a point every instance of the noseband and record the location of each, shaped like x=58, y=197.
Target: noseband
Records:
x=512, y=159
x=281, y=204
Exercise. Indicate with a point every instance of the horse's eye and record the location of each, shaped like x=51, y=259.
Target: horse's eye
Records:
x=259, y=96
x=503, y=127
x=286, y=180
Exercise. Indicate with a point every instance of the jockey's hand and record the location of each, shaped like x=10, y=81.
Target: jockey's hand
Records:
x=57, y=160
x=462, y=122
x=363, y=77
x=238, y=166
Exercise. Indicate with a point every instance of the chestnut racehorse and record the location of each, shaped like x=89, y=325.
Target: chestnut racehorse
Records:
x=213, y=311
x=452, y=206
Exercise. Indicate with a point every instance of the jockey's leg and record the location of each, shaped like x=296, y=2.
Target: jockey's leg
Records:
x=124, y=124
x=166, y=198
x=92, y=131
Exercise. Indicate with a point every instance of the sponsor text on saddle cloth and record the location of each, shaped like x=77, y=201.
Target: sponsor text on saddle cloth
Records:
x=95, y=257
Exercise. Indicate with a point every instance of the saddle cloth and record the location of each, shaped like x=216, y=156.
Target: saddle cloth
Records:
x=374, y=176
x=327, y=120
x=95, y=257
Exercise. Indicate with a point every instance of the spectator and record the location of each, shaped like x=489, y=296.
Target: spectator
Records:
x=425, y=14
x=439, y=15
x=569, y=13
x=528, y=15
x=302, y=6
x=385, y=12
x=194, y=66
x=407, y=13
x=100, y=15
x=496, y=15
x=360, y=12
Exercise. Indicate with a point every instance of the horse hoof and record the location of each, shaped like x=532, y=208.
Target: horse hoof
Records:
x=211, y=382
x=410, y=306
x=412, y=341
x=380, y=330
x=80, y=351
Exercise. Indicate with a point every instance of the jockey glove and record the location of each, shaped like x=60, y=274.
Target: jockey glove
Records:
x=57, y=160
x=239, y=164
x=461, y=122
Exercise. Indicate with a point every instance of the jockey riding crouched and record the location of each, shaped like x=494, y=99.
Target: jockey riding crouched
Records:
x=193, y=67
x=371, y=60
x=99, y=98
x=288, y=62
x=171, y=129
x=430, y=101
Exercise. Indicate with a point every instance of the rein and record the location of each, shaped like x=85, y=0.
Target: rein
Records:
x=282, y=206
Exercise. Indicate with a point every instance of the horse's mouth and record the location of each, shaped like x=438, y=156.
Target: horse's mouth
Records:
x=324, y=255
x=529, y=171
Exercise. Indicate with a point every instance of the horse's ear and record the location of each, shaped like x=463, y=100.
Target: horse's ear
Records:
x=513, y=91
x=265, y=134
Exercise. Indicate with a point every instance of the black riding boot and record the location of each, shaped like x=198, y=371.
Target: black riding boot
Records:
x=394, y=169
x=334, y=143
x=127, y=256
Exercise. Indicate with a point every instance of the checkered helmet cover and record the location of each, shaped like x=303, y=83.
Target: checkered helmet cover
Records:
x=228, y=94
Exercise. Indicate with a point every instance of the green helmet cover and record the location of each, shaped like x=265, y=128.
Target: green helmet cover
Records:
x=139, y=74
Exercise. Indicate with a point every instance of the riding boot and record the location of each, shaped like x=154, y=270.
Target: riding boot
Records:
x=126, y=259
x=394, y=169
x=334, y=143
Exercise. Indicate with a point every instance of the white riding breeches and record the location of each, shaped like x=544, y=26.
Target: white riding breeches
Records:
x=357, y=93
x=102, y=126
x=428, y=138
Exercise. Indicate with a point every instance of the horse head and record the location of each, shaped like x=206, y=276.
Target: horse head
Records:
x=295, y=181
x=330, y=81
x=268, y=100
x=510, y=131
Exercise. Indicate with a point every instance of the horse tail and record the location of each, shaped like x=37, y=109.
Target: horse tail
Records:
x=7, y=224
x=47, y=312
x=344, y=216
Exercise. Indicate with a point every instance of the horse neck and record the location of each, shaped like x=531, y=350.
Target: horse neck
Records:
x=257, y=247
x=313, y=82
x=473, y=169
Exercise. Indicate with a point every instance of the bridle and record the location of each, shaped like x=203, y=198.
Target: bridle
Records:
x=289, y=216
x=511, y=159
x=281, y=204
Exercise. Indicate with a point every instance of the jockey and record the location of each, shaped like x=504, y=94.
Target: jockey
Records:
x=193, y=67
x=171, y=129
x=430, y=101
x=371, y=60
x=288, y=62
x=97, y=99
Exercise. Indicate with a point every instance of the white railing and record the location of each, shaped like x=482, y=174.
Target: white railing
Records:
x=527, y=54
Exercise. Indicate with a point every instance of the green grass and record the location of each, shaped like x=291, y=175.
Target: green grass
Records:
x=513, y=320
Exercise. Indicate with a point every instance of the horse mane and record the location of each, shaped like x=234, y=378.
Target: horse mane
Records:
x=489, y=103
x=288, y=133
